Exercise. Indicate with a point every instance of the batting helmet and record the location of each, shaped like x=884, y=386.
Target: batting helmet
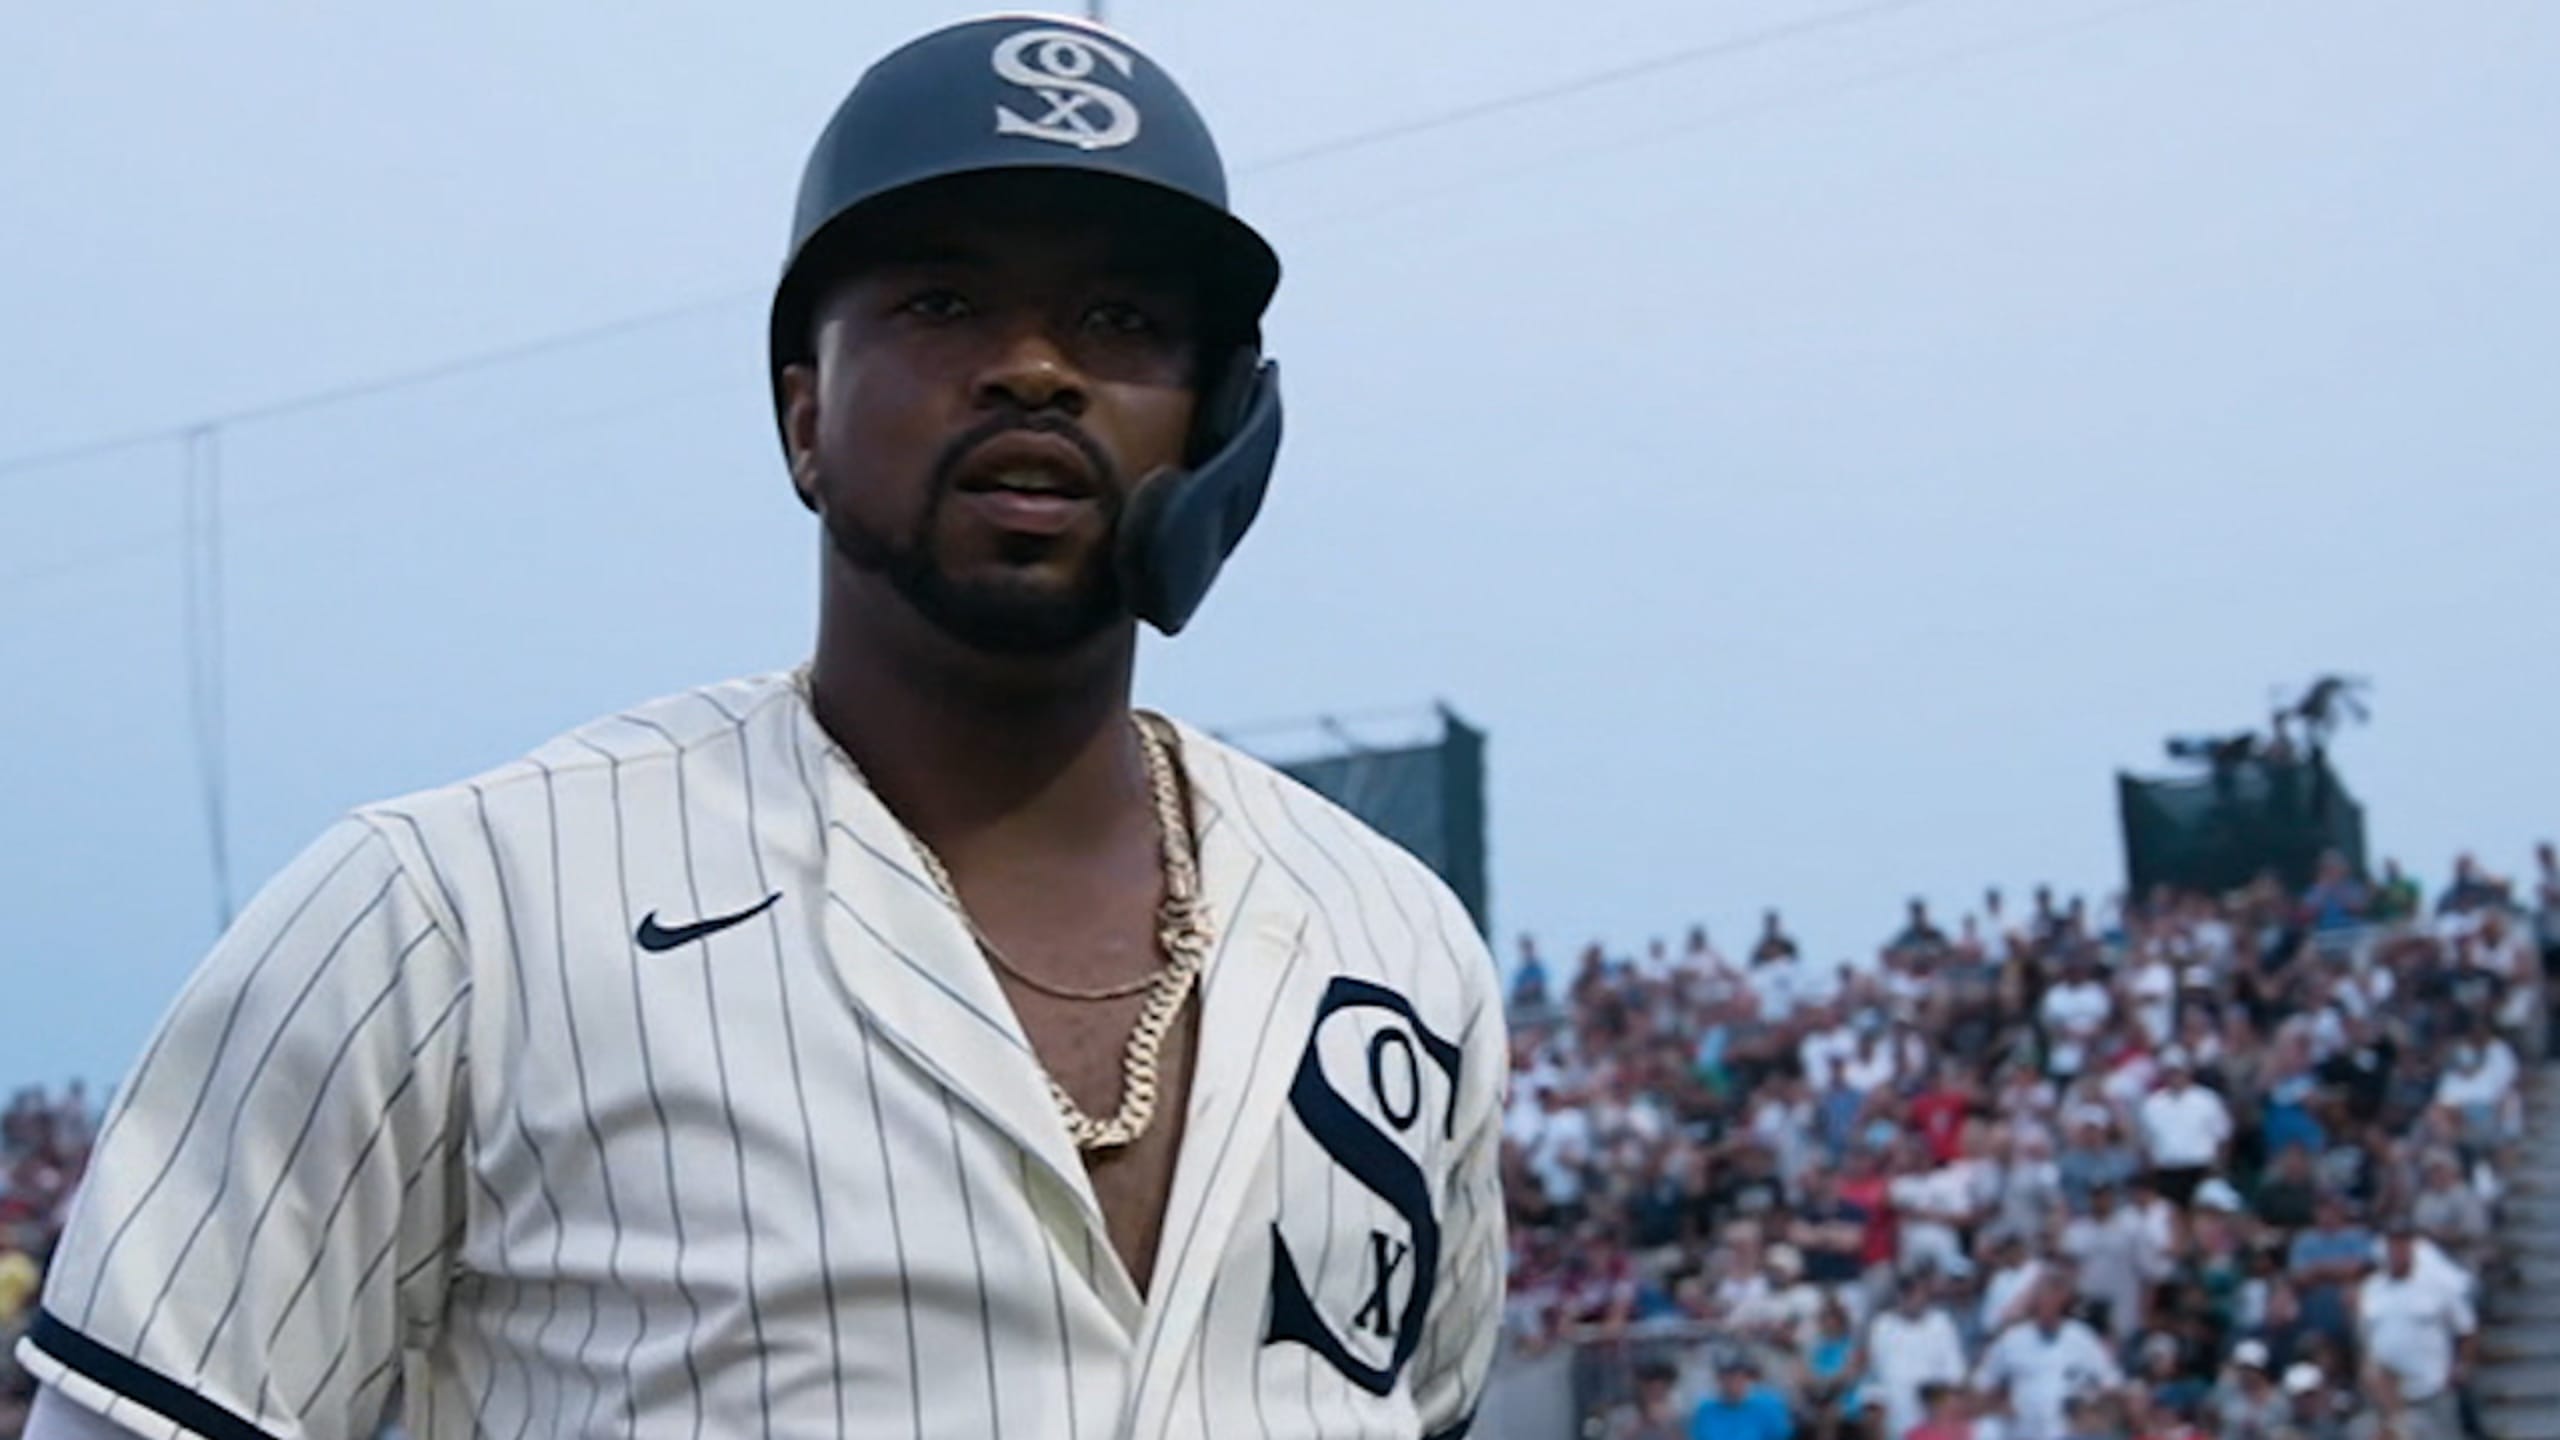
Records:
x=1023, y=92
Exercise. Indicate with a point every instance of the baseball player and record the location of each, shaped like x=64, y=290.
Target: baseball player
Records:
x=918, y=1043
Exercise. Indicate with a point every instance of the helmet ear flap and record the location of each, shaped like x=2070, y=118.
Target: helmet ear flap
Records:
x=1227, y=385
x=1180, y=525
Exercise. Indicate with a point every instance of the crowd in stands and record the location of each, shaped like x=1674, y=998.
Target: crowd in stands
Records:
x=44, y=1143
x=2202, y=1166
x=2193, y=1165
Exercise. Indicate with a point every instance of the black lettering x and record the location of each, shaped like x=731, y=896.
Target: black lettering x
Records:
x=1386, y=1256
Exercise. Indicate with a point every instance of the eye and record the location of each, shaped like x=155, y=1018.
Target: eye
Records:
x=940, y=304
x=1120, y=317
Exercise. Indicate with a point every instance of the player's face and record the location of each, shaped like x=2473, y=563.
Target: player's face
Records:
x=988, y=389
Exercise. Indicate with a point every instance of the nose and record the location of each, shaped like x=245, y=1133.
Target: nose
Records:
x=1031, y=372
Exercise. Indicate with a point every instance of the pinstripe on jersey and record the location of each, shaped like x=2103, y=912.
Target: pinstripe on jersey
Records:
x=430, y=1115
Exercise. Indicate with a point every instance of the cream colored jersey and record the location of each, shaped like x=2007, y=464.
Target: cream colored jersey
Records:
x=648, y=1088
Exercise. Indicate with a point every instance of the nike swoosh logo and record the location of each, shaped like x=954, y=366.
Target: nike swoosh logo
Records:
x=654, y=937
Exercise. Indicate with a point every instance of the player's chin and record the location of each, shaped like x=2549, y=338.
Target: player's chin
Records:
x=1033, y=609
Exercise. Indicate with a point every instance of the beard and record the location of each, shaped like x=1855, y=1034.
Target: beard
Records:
x=1002, y=614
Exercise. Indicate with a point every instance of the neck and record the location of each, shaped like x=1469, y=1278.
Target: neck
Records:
x=974, y=751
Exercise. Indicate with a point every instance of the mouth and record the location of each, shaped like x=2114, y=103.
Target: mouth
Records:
x=1031, y=464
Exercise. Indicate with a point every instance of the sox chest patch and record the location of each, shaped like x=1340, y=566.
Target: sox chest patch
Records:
x=1376, y=1088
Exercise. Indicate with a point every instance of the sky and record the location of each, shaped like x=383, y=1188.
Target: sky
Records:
x=1821, y=460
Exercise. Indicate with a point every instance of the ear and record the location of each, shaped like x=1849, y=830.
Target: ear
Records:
x=800, y=430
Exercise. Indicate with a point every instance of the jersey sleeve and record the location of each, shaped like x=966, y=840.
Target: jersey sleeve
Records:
x=1466, y=1307
x=267, y=1217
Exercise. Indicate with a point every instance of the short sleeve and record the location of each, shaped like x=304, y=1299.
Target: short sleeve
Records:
x=1466, y=1310
x=266, y=1220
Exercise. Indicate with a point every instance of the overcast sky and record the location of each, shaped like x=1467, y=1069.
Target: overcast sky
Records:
x=1820, y=465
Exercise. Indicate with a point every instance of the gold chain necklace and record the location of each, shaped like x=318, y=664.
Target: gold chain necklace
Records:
x=1182, y=932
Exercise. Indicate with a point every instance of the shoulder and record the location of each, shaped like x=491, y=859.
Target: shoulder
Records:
x=470, y=826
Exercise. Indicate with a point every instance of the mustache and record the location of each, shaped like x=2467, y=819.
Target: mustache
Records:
x=1106, y=475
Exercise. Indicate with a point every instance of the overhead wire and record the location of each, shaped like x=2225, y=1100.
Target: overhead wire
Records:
x=1596, y=80
x=201, y=493
x=1724, y=47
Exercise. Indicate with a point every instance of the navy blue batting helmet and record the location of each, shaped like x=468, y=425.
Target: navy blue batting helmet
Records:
x=1046, y=93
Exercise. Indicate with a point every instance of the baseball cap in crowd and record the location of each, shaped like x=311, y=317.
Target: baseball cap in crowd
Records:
x=2216, y=1194
x=2400, y=1223
x=2304, y=1378
x=1737, y=1362
x=2174, y=1058
x=2250, y=1355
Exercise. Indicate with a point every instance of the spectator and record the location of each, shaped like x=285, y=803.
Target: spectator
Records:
x=2186, y=1129
x=1911, y=1345
x=1933, y=1205
x=2247, y=1405
x=2337, y=900
x=1919, y=932
x=1655, y=1412
x=2076, y=1014
x=2030, y=1185
x=2473, y=889
x=1741, y=1408
x=2327, y=1261
x=2546, y=912
x=1949, y=1411
x=2009, y=1286
x=2416, y=1336
x=1529, y=977
x=2479, y=1095
x=20, y=1277
x=2040, y=1364
x=2287, y=1197
x=2318, y=1411
x=1827, y=1375
x=2092, y=1416
x=2450, y=1213
x=2113, y=1252
x=2091, y=1159
x=1939, y=1111
x=1830, y=1232
x=2398, y=897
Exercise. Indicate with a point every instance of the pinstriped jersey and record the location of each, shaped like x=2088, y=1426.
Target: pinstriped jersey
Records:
x=648, y=1087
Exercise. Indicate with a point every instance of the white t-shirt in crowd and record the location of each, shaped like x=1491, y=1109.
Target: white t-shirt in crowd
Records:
x=2155, y=999
x=1904, y=1354
x=1949, y=1189
x=2410, y=1327
x=2042, y=1372
x=2183, y=1129
x=2213, y=943
x=2478, y=1086
x=2003, y=1289
x=1564, y=1147
x=2499, y=1059
x=2432, y=1267
x=1816, y=1052
x=1773, y=984
x=2078, y=1008
x=1874, y=1070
